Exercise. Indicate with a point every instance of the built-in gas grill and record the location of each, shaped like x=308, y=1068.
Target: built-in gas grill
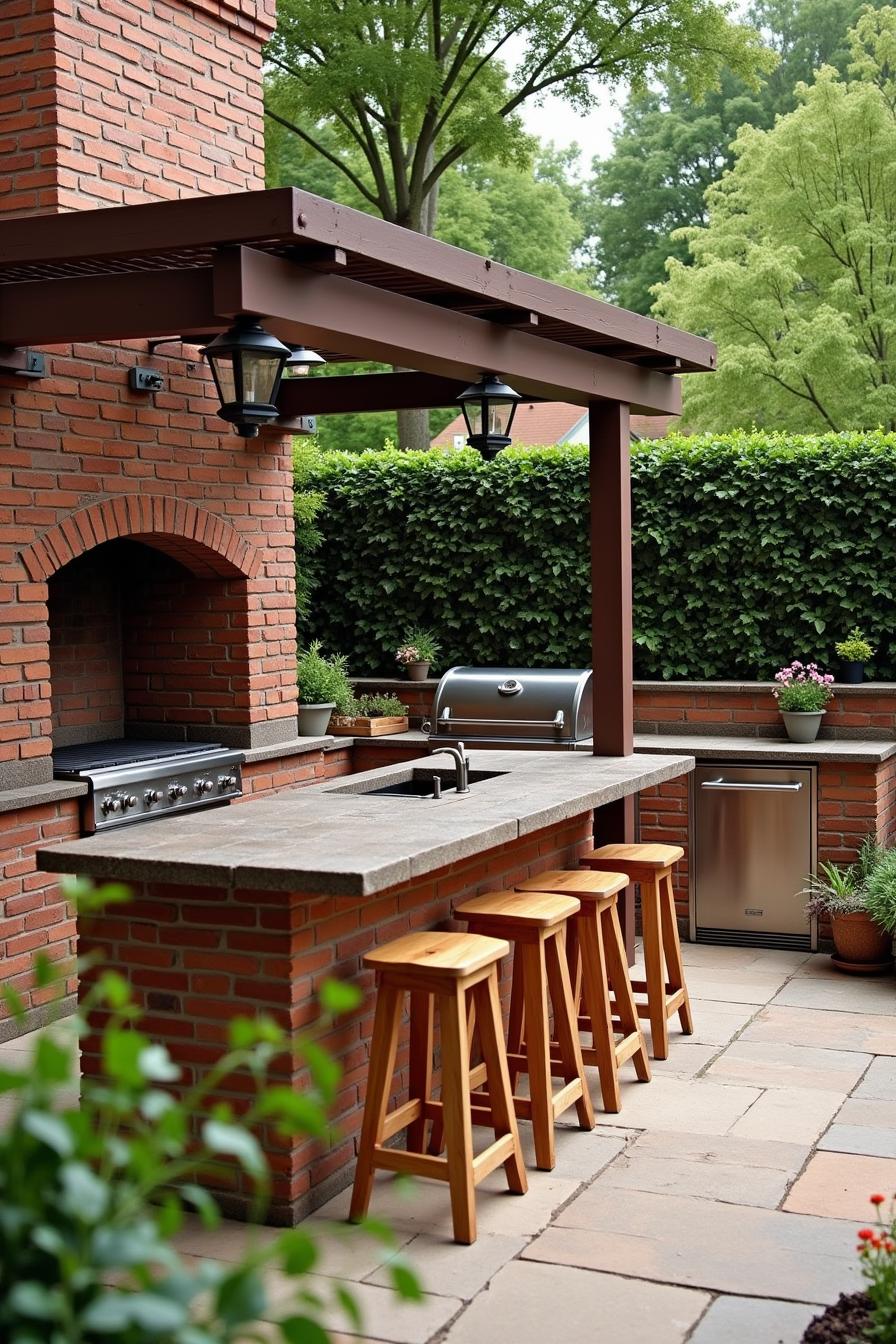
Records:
x=536, y=708
x=133, y=781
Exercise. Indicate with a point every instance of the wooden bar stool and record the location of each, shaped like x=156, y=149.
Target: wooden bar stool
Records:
x=664, y=983
x=599, y=969
x=536, y=926
x=442, y=968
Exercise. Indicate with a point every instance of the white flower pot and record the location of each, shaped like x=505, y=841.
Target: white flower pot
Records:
x=802, y=726
x=314, y=720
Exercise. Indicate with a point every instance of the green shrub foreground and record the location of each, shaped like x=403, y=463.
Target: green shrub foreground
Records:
x=749, y=549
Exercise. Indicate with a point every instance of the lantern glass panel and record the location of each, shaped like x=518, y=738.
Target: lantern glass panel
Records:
x=499, y=414
x=259, y=375
x=222, y=370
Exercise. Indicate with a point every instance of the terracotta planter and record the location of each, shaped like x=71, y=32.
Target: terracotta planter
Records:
x=802, y=727
x=863, y=947
x=417, y=671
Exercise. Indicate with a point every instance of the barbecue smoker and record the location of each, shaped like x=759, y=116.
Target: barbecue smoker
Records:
x=534, y=708
x=134, y=781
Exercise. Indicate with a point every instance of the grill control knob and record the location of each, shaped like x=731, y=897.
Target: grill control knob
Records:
x=110, y=805
x=202, y=786
x=227, y=781
x=128, y=800
x=177, y=791
x=152, y=796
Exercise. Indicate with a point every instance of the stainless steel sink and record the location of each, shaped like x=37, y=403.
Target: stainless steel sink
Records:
x=415, y=784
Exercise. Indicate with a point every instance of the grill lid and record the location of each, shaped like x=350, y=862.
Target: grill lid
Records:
x=523, y=704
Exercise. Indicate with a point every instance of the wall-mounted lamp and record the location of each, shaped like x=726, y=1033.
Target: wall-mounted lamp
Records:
x=247, y=364
x=489, y=407
x=22, y=363
x=301, y=361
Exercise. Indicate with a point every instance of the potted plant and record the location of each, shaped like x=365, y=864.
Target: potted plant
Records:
x=802, y=693
x=854, y=652
x=371, y=716
x=323, y=687
x=842, y=892
x=417, y=652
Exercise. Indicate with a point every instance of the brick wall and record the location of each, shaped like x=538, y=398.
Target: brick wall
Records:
x=856, y=711
x=197, y=955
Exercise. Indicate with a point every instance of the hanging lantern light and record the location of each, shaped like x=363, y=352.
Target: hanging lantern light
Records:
x=489, y=407
x=301, y=361
x=247, y=364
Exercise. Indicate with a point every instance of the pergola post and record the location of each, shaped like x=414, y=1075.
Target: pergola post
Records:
x=611, y=617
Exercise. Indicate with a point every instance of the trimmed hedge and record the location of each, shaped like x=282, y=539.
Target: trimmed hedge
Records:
x=749, y=549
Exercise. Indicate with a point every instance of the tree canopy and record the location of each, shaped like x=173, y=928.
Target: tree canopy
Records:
x=671, y=147
x=794, y=274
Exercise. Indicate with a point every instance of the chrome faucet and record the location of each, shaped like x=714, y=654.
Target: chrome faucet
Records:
x=461, y=766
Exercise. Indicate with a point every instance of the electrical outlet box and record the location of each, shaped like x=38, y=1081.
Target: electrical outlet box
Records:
x=145, y=380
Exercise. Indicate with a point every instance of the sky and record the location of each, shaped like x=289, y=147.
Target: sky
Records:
x=556, y=120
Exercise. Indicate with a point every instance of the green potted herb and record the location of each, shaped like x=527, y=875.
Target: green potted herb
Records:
x=417, y=652
x=802, y=693
x=854, y=652
x=857, y=901
x=323, y=687
x=371, y=716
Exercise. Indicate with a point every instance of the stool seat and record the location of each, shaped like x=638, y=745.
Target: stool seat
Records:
x=448, y=956
x=641, y=856
x=578, y=882
x=540, y=910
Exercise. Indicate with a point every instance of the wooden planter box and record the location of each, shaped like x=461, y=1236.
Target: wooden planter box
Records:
x=345, y=726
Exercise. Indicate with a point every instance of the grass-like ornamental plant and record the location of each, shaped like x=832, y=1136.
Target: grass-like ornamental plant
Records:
x=324, y=680
x=876, y=1248
x=802, y=689
x=377, y=706
x=92, y=1193
x=880, y=891
x=417, y=646
x=855, y=648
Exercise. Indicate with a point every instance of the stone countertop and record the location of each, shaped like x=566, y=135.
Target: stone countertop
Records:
x=733, y=748
x=331, y=839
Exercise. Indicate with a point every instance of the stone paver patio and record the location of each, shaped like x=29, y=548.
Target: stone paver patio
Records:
x=719, y=1206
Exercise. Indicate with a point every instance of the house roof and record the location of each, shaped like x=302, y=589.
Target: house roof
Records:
x=548, y=422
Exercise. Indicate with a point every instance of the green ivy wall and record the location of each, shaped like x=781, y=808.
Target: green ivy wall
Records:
x=749, y=550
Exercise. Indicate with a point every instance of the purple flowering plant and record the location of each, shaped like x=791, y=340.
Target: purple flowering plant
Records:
x=802, y=689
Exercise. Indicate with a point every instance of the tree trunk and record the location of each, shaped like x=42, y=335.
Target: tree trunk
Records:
x=413, y=426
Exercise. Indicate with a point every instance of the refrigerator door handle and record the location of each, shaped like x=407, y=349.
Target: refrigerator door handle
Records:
x=752, y=788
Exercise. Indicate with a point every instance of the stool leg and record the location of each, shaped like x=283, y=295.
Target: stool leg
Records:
x=456, y=1114
x=420, y=1067
x=672, y=946
x=538, y=1053
x=597, y=1004
x=437, y=1133
x=654, y=967
x=617, y=972
x=516, y=1023
x=499, y=1091
x=566, y=1025
x=383, y=1048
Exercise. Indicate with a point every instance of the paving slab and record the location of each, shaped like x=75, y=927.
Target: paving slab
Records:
x=842, y=993
x=837, y=1185
x=449, y=1270
x=736, y=1320
x=727, y=1248
x=690, y=1106
x=384, y=1315
x=735, y=1170
x=879, y=1083
x=757, y=959
x=796, y=1115
x=866, y=1033
x=533, y=1303
x=768, y=1064
x=863, y=1125
x=714, y=1023
x=685, y=1061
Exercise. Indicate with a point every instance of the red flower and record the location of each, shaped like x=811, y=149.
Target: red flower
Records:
x=877, y=1199
x=866, y=1234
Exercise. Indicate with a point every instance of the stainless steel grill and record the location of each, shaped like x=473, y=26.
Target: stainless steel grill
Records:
x=133, y=781
x=513, y=707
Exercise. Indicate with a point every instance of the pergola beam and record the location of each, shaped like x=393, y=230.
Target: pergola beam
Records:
x=339, y=393
x=369, y=323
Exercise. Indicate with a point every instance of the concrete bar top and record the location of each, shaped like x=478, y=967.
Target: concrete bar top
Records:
x=855, y=751
x=332, y=839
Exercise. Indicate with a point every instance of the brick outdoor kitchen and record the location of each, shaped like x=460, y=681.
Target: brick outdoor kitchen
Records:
x=147, y=580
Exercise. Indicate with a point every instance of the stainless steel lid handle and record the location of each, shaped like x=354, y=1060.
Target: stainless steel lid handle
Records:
x=734, y=786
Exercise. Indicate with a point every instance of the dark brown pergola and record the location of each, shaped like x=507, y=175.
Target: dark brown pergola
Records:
x=357, y=288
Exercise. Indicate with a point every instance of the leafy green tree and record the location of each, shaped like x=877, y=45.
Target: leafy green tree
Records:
x=671, y=147
x=794, y=274
x=393, y=95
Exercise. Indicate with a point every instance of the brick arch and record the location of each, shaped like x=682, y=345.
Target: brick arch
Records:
x=208, y=546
